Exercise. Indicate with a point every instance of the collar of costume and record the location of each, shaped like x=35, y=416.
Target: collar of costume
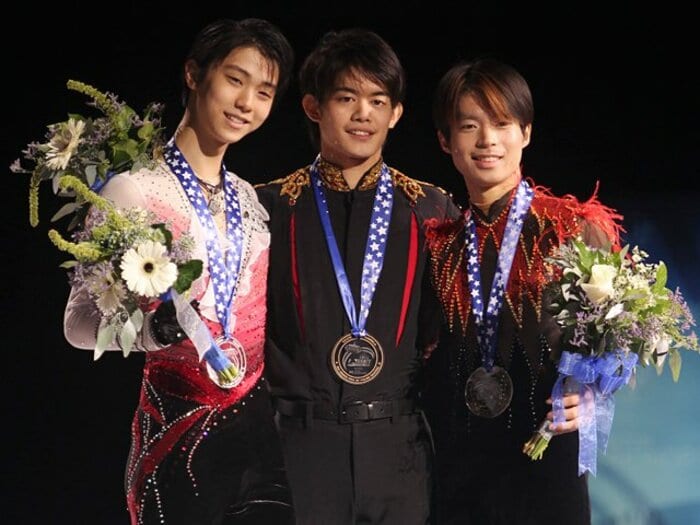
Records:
x=552, y=220
x=293, y=184
x=332, y=176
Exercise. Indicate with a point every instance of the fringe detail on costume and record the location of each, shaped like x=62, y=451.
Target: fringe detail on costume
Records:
x=552, y=221
x=592, y=211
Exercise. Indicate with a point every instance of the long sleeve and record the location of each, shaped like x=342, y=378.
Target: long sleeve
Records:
x=81, y=318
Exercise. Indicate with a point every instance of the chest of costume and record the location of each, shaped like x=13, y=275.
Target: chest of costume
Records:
x=529, y=271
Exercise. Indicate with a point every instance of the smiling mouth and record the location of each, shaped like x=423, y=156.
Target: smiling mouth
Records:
x=236, y=120
x=360, y=133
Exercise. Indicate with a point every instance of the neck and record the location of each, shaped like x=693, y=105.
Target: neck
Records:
x=204, y=158
x=484, y=196
x=352, y=169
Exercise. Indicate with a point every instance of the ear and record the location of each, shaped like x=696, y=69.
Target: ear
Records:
x=397, y=111
x=527, y=134
x=191, y=74
x=311, y=107
x=444, y=144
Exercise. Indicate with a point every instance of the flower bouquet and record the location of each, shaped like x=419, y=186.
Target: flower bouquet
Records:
x=91, y=149
x=615, y=312
x=124, y=260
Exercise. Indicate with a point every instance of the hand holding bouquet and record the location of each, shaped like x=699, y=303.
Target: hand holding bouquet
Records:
x=123, y=261
x=615, y=312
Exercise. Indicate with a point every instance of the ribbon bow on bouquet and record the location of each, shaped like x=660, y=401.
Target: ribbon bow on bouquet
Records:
x=597, y=379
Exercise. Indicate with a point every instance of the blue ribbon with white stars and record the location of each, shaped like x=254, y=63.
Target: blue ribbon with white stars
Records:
x=224, y=269
x=487, y=320
x=374, y=249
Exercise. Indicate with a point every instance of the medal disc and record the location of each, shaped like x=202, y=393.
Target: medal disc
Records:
x=357, y=360
x=488, y=394
x=234, y=350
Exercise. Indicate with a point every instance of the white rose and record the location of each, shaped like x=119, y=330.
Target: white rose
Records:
x=600, y=286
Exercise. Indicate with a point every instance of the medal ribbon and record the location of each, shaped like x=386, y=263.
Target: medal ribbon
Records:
x=224, y=270
x=487, y=321
x=374, y=250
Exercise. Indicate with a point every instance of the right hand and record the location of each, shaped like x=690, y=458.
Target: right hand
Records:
x=164, y=326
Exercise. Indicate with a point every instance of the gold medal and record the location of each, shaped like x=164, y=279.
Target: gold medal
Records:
x=357, y=360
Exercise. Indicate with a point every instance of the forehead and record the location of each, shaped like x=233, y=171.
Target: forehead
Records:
x=358, y=81
x=251, y=62
x=469, y=107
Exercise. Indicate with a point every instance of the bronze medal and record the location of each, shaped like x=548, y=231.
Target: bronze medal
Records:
x=488, y=394
x=357, y=360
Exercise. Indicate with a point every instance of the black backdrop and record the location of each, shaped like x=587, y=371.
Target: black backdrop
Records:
x=615, y=101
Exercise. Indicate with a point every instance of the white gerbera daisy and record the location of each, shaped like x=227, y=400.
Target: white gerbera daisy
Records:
x=147, y=270
x=63, y=144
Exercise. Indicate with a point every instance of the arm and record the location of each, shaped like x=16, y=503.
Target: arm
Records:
x=81, y=317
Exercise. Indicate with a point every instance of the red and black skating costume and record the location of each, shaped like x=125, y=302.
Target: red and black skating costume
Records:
x=482, y=474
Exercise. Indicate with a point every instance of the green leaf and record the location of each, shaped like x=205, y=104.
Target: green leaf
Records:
x=66, y=209
x=124, y=152
x=90, y=174
x=127, y=336
x=623, y=252
x=123, y=119
x=186, y=274
x=674, y=363
x=661, y=278
x=146, y=131
x=137, y=319
x=167, y=235
x=105, y=336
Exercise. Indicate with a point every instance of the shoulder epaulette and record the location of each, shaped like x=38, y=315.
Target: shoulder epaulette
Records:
x=292, y=184
x=413, y=188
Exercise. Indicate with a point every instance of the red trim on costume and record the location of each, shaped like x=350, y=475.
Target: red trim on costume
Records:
x=552, y=221
x=182, y=379
x=410, y=276
x=295, y=272
x=592, y=211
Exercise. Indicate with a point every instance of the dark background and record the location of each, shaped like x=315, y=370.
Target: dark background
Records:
x=615, y=102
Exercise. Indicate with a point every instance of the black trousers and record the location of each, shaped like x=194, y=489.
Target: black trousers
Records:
x=370, y=472
x=228, y=470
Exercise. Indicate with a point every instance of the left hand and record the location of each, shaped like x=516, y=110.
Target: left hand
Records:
x=571, y=402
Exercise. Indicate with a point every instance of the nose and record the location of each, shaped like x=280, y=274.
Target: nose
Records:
x=363, y=109
x=244, y=99
x=487, y=136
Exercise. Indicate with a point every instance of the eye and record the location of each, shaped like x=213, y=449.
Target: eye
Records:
x=379, y=102
x=504, y=123
x=235, y=80
x=467, y=126
x=265, y=94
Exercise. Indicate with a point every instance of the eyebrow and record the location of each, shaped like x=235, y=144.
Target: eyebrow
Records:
x=347, y=89
x=247, y=74
x=465, y=116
